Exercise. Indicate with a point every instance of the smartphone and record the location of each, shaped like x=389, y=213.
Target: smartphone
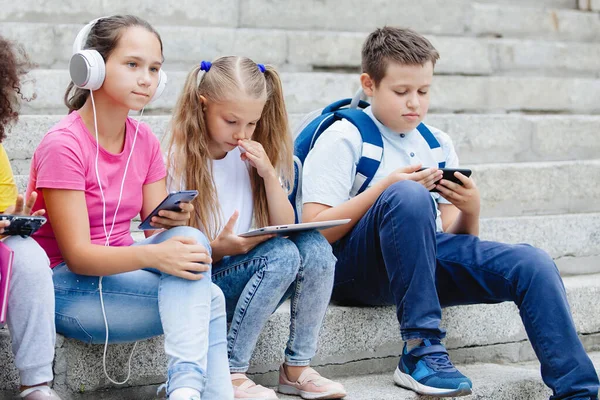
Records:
x=448, y=174
x=22, y=225
x=170, y=203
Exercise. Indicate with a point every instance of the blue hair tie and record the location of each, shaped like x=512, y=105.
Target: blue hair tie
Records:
x=261, y=68
x=205, y=66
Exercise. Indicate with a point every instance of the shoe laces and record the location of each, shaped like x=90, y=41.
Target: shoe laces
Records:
x=439, y=362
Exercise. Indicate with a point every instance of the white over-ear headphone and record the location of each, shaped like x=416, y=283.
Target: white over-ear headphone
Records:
x=87, y=67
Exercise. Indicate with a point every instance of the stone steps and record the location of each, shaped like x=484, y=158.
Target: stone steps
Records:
x=490, y=382
x=478, y=138
x=462, y=17
x=353, y=339
x=509, y=190
x=305, y=92
x=50, y=46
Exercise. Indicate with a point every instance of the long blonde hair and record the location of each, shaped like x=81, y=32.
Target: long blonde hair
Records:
x=188, y=156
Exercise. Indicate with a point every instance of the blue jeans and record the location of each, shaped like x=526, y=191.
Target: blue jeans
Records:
x=255, y=283
x=394, y=256
x=146, y=303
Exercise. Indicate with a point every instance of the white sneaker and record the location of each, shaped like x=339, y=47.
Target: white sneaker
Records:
x=39, y=393
x=185, y=394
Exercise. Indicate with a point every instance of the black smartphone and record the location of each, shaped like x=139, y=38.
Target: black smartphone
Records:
x=22, y=225
x=170, y=203
x=448, y=174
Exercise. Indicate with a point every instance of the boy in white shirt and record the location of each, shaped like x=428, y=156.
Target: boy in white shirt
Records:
x=419, y=250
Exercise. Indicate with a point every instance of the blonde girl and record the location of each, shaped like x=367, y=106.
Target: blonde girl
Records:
x=230, y=141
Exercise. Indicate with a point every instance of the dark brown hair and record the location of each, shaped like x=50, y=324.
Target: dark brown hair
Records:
x=403, y=46
x=14, y=63
x=104, y=38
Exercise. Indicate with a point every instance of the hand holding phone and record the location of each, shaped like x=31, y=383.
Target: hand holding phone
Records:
x=170, y=203
x=448, y=174
x=22, y=225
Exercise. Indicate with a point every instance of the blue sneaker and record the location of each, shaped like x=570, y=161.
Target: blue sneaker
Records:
x=427, y=370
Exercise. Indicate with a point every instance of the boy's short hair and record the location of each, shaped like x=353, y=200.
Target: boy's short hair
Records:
x=400, y=45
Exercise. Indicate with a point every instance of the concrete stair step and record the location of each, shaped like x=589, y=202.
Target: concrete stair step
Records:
x=478, y=138
x=353, y=339
x=50, y=46
x=589, y=5
x=462, y=17
x=305, y=92
x=519, y=189
x=490, y=382
x=457, y=18
x=566, y=4
x=568, y=235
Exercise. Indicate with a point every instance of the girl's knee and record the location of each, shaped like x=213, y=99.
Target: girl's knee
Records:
x=196, y=234
x=316, y=252
x=284, y=255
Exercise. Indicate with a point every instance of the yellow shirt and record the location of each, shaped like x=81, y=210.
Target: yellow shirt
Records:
x=8, y=188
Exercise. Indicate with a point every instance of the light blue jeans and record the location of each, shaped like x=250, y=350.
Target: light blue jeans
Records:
x=301, y=266
x=146, y=303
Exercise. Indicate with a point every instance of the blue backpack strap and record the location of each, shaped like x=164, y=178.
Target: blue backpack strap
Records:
x=372, y=148
x=433, y=143
x=302, y=145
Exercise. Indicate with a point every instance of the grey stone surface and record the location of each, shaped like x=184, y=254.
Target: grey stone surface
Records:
x=589, y=5
x=559, y=235
x=9, y=377
x=490, y=382
x=456, y=18
x=352, y=333
x=541, y=57
x=531, y=94
x=568, y=4
x=535, y=188
x=305, y=92
x=78, y=366
x=578, y=265
x=497, y=20
x=349, y=335
x=182, y=12
x=50, y=47
x=478, y=138
x=354, y=16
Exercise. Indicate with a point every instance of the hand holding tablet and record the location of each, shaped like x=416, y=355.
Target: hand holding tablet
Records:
x=294, y=228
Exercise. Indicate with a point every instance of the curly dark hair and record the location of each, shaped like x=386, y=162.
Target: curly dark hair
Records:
x=14, y=63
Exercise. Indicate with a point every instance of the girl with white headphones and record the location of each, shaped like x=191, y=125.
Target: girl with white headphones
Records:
x=93, y=183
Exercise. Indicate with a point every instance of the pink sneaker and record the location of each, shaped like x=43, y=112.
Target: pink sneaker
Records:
x=39, y=393
x=249, y=390
x=310, y=385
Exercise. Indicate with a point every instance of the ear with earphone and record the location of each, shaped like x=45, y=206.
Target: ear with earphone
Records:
x=88, y=71
x=87, y=67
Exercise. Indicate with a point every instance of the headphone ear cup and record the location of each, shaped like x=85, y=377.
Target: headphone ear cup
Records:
x=162, y=84
x=87, y=69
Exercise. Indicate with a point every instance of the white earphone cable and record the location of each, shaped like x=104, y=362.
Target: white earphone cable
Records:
x=109, y=233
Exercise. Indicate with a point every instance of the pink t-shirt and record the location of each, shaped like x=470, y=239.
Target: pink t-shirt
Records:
x=65, y=159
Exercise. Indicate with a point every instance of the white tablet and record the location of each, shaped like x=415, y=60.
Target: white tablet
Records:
x=293, y=228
